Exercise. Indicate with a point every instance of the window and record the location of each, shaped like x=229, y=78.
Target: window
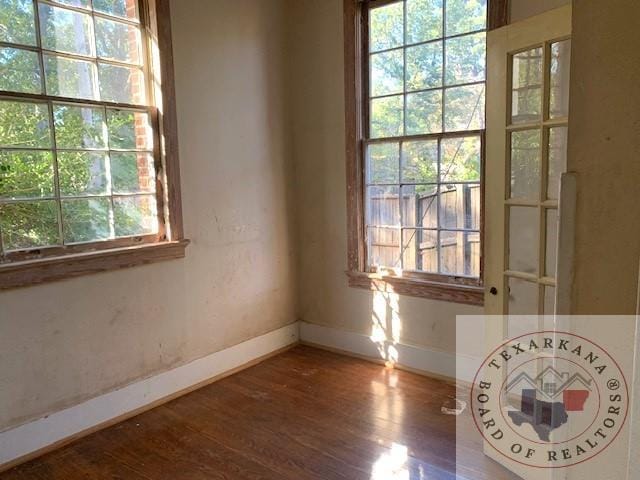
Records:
x=415, y=80
x=81, y=164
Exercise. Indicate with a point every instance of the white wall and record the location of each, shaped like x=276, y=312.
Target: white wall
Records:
x=317, y=89
x=521, y=9
x=65, y=342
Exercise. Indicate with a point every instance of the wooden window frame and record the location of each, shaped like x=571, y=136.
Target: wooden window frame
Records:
x=433, y=286
x=36, y=266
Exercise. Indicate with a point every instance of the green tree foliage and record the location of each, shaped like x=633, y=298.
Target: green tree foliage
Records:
x=84, y=164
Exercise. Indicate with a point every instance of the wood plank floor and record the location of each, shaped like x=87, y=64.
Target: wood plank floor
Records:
x=304, y=414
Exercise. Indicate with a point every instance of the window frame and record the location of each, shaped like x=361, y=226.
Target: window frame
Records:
x=420, y=284
x=34, y=266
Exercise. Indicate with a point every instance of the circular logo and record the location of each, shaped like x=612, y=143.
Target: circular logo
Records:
x=549, y=399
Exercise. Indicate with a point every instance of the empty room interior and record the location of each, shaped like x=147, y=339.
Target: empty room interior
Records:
x=319, y=239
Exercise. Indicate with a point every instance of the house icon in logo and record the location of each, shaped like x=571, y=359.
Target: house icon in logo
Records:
x=546, y=399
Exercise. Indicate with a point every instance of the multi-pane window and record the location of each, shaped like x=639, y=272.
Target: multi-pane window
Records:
x=424, y=135
x=77, y=162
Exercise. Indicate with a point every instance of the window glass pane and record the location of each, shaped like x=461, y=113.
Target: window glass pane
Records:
x=466, y=59
x=65, y=30
x=460, y=253
x=386, y=28
x=29, y=224
x=383, y=163
x=424, y=66
x=559, y=79
x=387, y=73
x=466, y=16
x=121, y=84
x=86, y=219
x=552, y=240
x=66, y=77
x=424, y=20
x=419, y=206
x=129, y=130
x=523, y=239
x=26, y=174
x=527, y=86
x=420, y=250
x=20, y=71
x=118, y=8
x=82, y=173
x=460, y=206
x=117, y=41
x=557, y=160
x=386, y=117
x=460, y=159
x=132, y=172
x=76, y=3
x=424, y=112
x=24, y=124
x=383, y=207
x=420, y=161
x=17, y=22
x=135, y=215
x=79, y=127
x=525, y=165
x=383, y=247
x=523, y=297
x=464, y=108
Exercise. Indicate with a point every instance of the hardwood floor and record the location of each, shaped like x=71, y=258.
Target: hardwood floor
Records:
x=304, y=414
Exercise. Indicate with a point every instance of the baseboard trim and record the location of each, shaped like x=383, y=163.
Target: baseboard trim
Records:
x=33, y=439
x=455, y=368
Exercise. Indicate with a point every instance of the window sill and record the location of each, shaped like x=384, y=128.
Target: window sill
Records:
x=446, y=292
x=34, y=272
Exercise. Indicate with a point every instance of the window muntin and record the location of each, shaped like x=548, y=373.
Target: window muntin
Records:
x=77, y=147
x=424, y=135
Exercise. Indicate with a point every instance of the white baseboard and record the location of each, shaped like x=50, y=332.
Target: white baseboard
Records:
x=429, y=361
x=24, y=441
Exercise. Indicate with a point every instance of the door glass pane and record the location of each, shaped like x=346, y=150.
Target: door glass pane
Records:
x=523, y=239
x=559, y=79
x=460, y=253
x=383, y=247
x=552, y=240
x=386, y=27
x=420, y=206
x=419, y=250
x=527, y=86
x=17, y=22
x=424, y=66
x=523, y=297
x=383, y=163
x=557, y=160
x=525, y=165
x=20, y=71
